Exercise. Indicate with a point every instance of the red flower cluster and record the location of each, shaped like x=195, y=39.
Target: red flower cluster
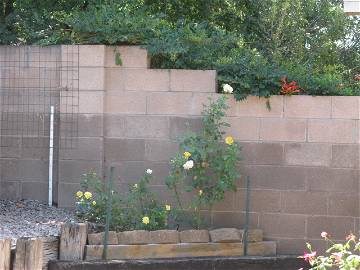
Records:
x=289, y=88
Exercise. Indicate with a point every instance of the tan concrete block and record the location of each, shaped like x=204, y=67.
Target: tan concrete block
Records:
x=91, y=102
x=308, y=154
x=123, y=252
x=114, y=80
x=98, y=238
x=124, y=149
x=138, y=237
x=291, y=246
x=337, y=227
x=303, y=202
x=227, y=204
x=24, y=170
x=243, y=128
x=194, y=236
x=34, y=191
x=147, y=80
x=10, y=190
x=343, y=204
x=131, y=57
x=282, y=225
x=193, y=80
x=256, y=107
x=345, y=107
x=182, y=125
x=67, y=194
x=262, y=153
x=164, y=237
x=260, y=200
x=147, y=127
x=91, y=55
x=71, y=171
x=160, y=150
x=233, y=219
x=332, y=180
x=170, y=103
x=254, y=235
x=126, y=102
x=337, y=131
x=89, y=125
x=91, y=78
x=307, y=107
x=345, y=156
x=276, y=129
x=225, y=235
x=10, y=145
x=115, y=125
x=86, y=149
x=276, y=177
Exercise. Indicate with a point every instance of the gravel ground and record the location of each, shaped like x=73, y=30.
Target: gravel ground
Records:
x=29, y=218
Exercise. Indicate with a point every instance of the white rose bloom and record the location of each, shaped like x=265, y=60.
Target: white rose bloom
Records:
x=188, y=165
x=228, y=89
x=149, y=171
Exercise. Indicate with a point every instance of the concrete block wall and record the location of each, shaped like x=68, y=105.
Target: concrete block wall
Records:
x=302, y=155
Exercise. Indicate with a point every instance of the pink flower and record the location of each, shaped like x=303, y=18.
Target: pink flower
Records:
x=309, y=256
x=350, y=237
x=324, y=234
x=337, y=256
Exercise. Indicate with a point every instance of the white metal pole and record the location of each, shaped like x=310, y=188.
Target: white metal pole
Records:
x=51, y=154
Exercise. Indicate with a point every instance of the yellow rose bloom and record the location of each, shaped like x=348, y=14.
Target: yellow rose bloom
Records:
x=187, y=154
x=87, y=195
x=145, y=220
x=200, y=192
x=79, y=194
x=229, y=140
x=167, y=207
x=93, y=203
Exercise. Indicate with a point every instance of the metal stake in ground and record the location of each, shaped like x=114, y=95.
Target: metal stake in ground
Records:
x=108, y=214
x=247, y=209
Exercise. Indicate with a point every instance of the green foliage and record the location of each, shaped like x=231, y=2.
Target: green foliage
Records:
x=128, y=210
x=343, y=256
x=205, y=167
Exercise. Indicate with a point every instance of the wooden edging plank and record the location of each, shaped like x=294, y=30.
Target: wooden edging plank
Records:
x=5, y=252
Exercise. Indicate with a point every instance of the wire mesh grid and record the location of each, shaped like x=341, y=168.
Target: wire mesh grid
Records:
x=32, y=79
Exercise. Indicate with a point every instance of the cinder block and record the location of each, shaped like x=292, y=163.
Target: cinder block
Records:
x=86, y=149
x=262, y=153
x=225, y=235
x=332, y=180
x=345, y=156
x=276, y=129
x=71, y=171
x=35, y=148
x=337, y=131
x=182, y=125
x=308, y=154
x=254, y=235
x=227, y=204
x=160, y=150
x=276, y=177
x=147, y=80
x=126, y=103
x=176, y=103
x=66, y=194
x=124, y=149
x=131, y=57
x=34, y=191
x=89, y=125
x=293, y=246
x=137, y=237
x=243, y=128
x=233, y=219
x=91, y=55
x=24, y=170
x=337, y=227
x=115, y=125
x=10, y=190
x=260, y=200
x=307, y=107
x=147, y=127
x=193, y=80
x=345, y=107
x=303, y=202
x=91, y=78
x=90, y=102
x=114, y=80
x=282, y=225
x=256, y=107
x=343, y=204
x=10, y=146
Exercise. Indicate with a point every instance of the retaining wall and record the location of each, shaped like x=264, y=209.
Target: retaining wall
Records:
x=302, y=155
